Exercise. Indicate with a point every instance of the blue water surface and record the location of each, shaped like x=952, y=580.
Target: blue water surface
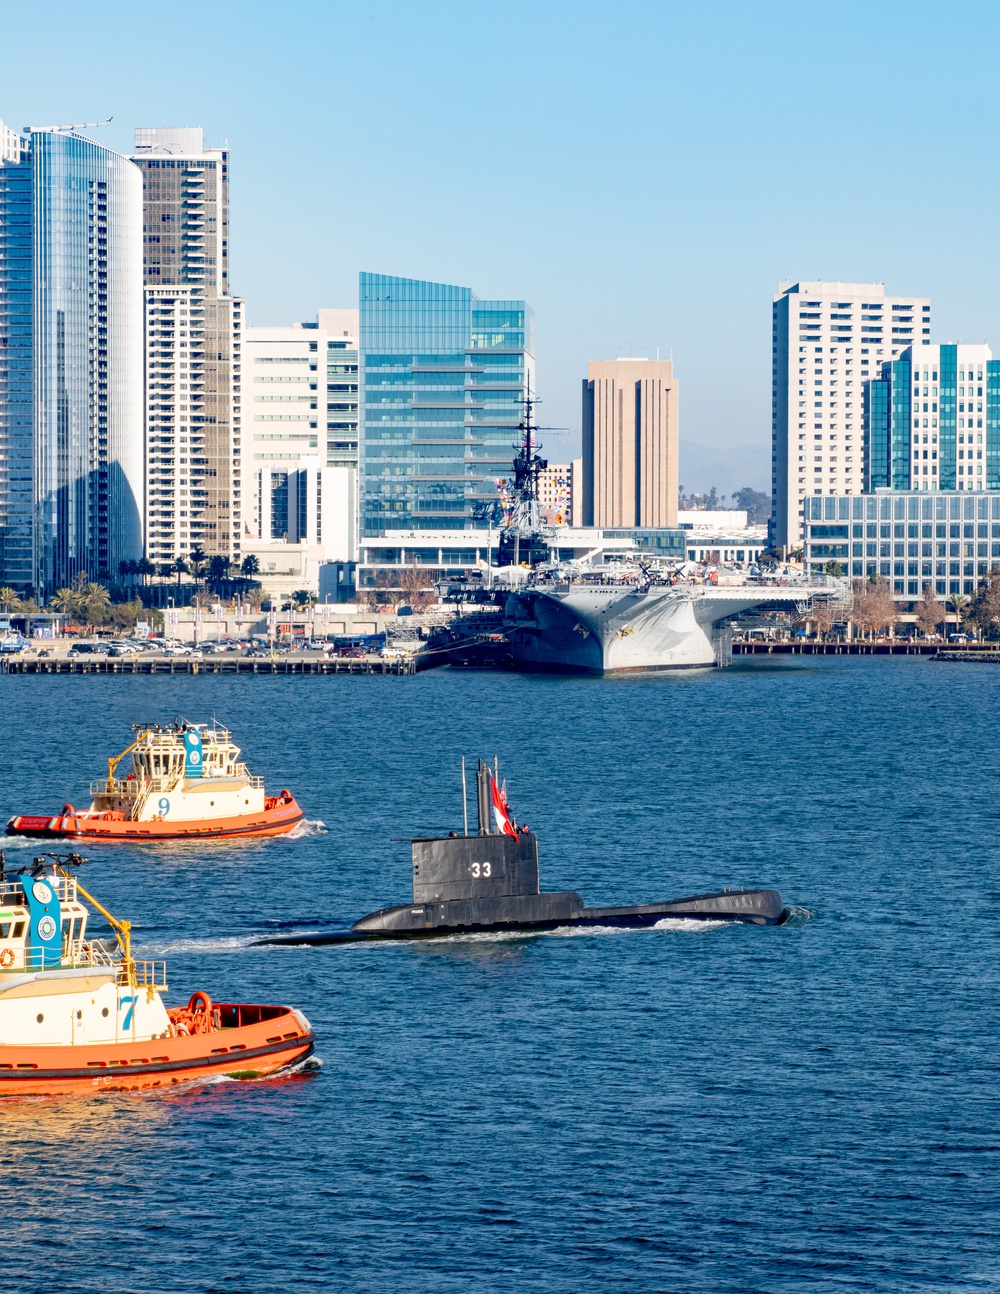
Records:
x=721, y=1109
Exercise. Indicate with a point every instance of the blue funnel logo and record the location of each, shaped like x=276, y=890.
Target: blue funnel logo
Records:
x=192, y=749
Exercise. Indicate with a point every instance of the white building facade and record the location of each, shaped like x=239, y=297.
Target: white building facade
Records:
x=195, y=487
x=303, y=409
x=828, y=341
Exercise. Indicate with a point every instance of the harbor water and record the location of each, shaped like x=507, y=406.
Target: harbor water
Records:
x=725, y=1109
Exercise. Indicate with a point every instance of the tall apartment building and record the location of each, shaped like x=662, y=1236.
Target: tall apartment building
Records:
x=194, y=441
x=443, y=380
x=71, y=360
x=933, y=421
x=828, y=340
x=630, y=436
x=302, y=407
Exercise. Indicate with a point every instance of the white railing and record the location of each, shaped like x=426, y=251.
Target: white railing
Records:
x=12, y=892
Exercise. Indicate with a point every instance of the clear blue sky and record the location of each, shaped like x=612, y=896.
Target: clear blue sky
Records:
x=643, y=174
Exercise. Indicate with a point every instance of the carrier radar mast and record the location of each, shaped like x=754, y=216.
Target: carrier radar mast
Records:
x=524, y=539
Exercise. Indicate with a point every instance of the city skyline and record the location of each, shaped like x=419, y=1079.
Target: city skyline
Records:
x=740, y=180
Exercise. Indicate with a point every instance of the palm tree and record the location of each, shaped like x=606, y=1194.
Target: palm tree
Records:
x=64, y=600
x=96, y=600
x=9, y=601
x=250, y=566
x=218, y=571
x=144, y=567
x=180, y=567
x=301, y=598
x=958, y=602
x=197, y=559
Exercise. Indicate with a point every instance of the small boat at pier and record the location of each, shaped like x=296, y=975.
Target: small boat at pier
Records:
x=187, y=781
x=80, y=1016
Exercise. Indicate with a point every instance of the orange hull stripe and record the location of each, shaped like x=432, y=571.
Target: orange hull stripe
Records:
x=272, y=822
x=262, y=1047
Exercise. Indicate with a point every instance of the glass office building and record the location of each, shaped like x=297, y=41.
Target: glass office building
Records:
x=16, y=364
x=71, y=308
x=443, y=376
x=932, y=421
x=947, y=539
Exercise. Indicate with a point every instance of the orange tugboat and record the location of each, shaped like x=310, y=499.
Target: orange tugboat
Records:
x=79, y=1016
x=187, y=781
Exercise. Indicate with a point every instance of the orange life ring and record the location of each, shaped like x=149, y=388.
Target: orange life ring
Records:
x=201, y=999
x=68, y=811
x=7, y=957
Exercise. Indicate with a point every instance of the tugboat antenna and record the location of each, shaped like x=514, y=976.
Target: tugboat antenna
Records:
x=465, y=801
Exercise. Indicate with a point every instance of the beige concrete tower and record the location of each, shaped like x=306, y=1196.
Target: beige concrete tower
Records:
x=630, y=414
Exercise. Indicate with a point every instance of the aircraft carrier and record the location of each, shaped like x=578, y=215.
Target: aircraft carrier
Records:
x=585, y=625
x=614, y=607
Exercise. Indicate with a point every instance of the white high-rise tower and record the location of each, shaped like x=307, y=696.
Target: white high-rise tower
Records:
x=828, y=341
x=194, y=443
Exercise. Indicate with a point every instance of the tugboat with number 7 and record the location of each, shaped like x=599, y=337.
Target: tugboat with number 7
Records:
x=187, y=781
x=77, y=1015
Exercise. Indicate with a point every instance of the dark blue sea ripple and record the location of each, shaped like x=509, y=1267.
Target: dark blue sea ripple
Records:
x=721, y=1109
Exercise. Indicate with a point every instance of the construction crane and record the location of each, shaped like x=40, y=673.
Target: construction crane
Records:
x=59, y=130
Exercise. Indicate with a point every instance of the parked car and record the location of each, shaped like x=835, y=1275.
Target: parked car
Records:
x=122, y=649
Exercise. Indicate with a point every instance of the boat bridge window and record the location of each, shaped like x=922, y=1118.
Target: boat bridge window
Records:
x=18, y=929
x=4, y=929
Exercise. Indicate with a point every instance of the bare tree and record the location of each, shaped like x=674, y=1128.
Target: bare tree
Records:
x=929, y=611
x=874, y=608
x=984, y=612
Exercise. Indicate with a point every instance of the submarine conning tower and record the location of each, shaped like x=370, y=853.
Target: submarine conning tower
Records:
x=471, y=881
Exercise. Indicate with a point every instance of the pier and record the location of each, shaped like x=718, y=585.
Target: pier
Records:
x=211, y=665
x=886, y=648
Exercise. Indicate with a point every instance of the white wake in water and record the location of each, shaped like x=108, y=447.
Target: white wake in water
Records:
x=221, y=944
x=307, y=827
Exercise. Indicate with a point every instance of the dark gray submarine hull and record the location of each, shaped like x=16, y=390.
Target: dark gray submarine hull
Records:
x=537, y=912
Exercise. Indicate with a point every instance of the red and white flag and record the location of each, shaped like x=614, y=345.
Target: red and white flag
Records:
x=500, y=811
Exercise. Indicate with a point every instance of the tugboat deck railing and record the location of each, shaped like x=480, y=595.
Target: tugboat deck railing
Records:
x=133, y=788
x=12, y=892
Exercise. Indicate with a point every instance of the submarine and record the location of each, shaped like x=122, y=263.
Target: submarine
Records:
x=488, y=882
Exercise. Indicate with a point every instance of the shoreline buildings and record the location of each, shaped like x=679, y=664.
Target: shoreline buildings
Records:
x=931, y=509
x=71, y=360
x=196, y=491
x=828, y=341
x=630, y=438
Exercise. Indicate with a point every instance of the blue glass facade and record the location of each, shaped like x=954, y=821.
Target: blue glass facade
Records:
x=932, y=421
x=74, y=314
x=442, y=380
x=993, y=424
x=878, y=434
x=948, y=416
x=16, y=373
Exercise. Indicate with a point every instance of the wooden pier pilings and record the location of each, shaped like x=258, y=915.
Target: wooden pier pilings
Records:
x=211, y=665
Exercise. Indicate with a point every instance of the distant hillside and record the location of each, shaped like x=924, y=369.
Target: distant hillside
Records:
x=728, y=469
